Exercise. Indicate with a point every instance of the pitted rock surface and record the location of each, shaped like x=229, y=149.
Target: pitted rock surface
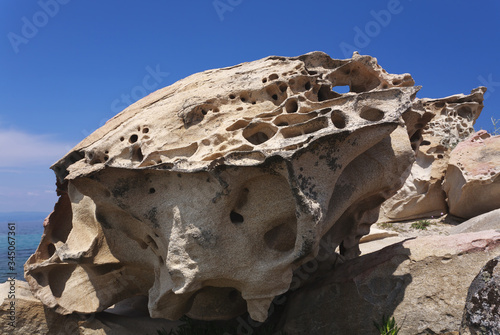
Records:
x=206, y=195
x=449, y=121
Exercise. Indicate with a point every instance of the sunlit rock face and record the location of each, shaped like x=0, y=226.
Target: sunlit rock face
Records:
x=472, y=181
x=206, y=195
x=449, y=120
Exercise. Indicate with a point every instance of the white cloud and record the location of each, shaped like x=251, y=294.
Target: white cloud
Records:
x=24, y=150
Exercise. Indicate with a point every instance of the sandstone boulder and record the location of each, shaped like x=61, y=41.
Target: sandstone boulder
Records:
x=451, y=121
x=472, y=182
x=206, y=195
x=422, y=282
x=486, y=221
x=482, y=308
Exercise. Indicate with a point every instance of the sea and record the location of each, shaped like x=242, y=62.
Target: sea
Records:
x=28, y=228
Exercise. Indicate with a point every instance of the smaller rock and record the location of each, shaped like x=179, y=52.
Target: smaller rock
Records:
x=482, y=307
x=30, y=316
x=486, y=221
x=472, y=184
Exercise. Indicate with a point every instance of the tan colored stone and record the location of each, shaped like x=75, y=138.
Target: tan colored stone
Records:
x=472, y=183
x=422, y=282
x=32, y=317
x=486, y=221
x=209, y=193
x=451, y=121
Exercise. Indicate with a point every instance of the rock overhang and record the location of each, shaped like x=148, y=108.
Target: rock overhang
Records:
x=225, y=182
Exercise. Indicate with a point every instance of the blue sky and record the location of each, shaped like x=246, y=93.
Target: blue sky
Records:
x=66, y=66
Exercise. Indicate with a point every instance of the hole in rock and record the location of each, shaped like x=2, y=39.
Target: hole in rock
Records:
x=145, y=130
x=187, y=151
x=234, y=295
x=307, y=86
x=396, y=82
x=371, y=114
x=465, y=112
x=305, y=128
x=137, y=155
x=416, y=136
x=282, y=237
x=291, y=106
x=264, y=80
x=133, y=138
x=342, y=89
x=439, y=104
x=338, y=119
x=283, y=87
x=236, y=218
x=259, y=133
x=152, y=190
x=232, y=96
x=274, y=96
x=424, y=142
x=51, y=249
x=325, y=93
x=285, y=120
x=273, y=76
x=122, y=139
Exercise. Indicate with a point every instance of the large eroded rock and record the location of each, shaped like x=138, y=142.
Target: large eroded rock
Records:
x=472, y=181
x=206, y=195
x=451, y=121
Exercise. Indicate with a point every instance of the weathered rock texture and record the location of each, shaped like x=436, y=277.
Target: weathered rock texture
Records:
x=486, y=221
x=482, y=308
x=472, y=181
x=207, y=194
x=32, y=317
x=451, y=121
x=422, y=282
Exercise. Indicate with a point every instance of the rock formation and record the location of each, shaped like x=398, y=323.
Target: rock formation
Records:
x=422, y=282
x=206, y=195
x=32, y=317
x=482, y=307
x=486, y=221
x=472, y=181
x=450, y=121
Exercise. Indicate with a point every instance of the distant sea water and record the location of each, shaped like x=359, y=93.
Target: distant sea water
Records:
x=29, y=230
